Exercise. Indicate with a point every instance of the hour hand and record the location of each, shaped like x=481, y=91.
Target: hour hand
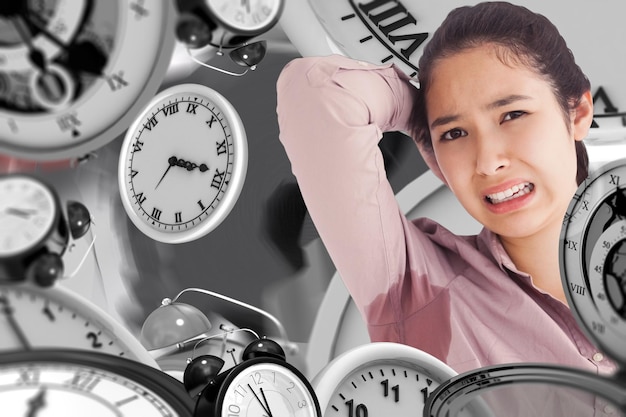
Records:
x=263, y=403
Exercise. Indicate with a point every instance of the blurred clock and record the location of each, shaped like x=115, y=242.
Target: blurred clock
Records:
x=73, y=73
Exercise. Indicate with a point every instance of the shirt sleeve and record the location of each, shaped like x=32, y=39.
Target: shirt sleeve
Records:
x=332, y=112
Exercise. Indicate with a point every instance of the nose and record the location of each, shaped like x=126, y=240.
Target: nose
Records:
x=491, y=155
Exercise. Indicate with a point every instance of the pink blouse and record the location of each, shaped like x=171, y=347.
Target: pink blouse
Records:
x=459, y=298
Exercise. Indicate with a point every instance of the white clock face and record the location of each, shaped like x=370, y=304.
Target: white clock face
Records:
x=183, y=164
x=268, y=389
x=32, y=317
x=385, y=386
x=379, y=379
x=65, y=389
x=247, y=15
x=28, y=212
x=74, y=72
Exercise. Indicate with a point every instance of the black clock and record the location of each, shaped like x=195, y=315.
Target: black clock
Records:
x=262, y=384
x=76, y=382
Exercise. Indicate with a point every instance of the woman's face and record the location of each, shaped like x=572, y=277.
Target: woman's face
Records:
x=501, y=141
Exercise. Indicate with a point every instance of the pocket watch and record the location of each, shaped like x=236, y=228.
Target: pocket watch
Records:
x=262, y=384
x=73, y=73
x=183, y=163
x=36, y=231
x=381, y=378
x=78, y=383
x=231, y=23
x=32, y=317
x=593, y=257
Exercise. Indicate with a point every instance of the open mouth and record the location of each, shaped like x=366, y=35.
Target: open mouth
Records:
x=512, y=193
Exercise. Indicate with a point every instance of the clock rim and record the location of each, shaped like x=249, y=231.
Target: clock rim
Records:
x=237, y=178
x=474, y=382
x=166, y=387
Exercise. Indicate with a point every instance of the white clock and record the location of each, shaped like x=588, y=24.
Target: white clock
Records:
x=379, y=379
x=183, y=163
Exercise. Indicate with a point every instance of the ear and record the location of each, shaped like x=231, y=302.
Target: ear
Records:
x=582, y=116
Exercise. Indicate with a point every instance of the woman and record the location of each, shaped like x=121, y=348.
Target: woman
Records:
x=499, y=116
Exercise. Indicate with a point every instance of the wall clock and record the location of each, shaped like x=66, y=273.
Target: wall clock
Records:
x=79, y=383
x=32, y=317
x=175, y=186
x=262, y=384
x=36, y=230
x=73, y=73
x=377, y=379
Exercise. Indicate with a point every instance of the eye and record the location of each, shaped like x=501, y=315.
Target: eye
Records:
x=513, y=115
x=453, y=134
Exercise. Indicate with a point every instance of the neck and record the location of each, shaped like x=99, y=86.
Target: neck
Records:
x=538, y=255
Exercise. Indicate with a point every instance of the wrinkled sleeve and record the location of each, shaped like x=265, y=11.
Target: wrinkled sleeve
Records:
x=332, y=112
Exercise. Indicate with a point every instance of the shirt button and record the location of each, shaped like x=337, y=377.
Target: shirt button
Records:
x=609, y=409
x=598, y=356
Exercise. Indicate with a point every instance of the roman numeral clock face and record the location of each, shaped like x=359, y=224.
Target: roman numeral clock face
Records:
x=593, y=257
x=182, y=164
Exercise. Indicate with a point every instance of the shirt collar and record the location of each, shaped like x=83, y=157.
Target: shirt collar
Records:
x=492, y=243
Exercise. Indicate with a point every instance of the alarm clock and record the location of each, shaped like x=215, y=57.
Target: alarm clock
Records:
x=377, y=379
x=74, y=73
x=77, y=383
x=176, y=329
x=36, y=230
x=263, y=383
x=227, y=23
x=177, y=187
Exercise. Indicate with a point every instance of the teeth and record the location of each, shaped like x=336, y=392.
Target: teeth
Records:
x=513, y=192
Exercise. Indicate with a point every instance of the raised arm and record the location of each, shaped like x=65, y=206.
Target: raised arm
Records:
x=332, y=112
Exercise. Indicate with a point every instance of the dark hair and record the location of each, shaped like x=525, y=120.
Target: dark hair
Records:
x=521, y=36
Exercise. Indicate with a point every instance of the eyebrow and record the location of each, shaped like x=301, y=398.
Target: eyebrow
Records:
x=505, y=101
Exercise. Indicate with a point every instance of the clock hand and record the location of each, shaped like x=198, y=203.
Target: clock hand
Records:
x=81, y=56
x=171, y=161
x=36, y=403
x=266, y=403
x=269, y=414
x=8, y=311
x=23, y=213
x=35, y=55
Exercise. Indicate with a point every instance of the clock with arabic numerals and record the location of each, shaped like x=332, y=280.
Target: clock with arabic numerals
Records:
x=381, y=378
x=593, y=257
x=32, y=317
x=71, y=382
x=74, y=73
x=183, y=163
x=262, y=384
